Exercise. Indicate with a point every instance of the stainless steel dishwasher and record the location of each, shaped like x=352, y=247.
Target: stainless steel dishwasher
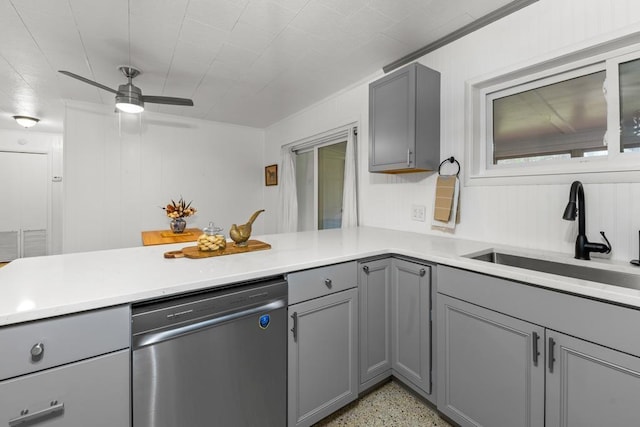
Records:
x=215, y=358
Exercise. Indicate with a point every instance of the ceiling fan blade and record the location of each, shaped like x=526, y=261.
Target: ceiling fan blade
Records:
x=91, y=82
x=168, y=100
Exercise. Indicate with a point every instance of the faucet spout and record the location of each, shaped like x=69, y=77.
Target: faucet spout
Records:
x=583, y=246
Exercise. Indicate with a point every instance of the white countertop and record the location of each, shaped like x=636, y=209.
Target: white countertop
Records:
x=41, y=287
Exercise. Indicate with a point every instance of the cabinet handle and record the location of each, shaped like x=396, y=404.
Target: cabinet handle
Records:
x=26, y=417
x=365, y=268
x=536, y=352
x=552, y=345
x=328, y=283
x=422, y=272
x=294, y=330
x=408, y=157
x=37, y=351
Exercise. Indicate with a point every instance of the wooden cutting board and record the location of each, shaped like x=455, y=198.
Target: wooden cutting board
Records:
x=163, y=237
x=195, y=253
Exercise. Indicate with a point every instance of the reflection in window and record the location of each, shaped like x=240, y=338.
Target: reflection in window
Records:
x=629, y=74
x=560, y=120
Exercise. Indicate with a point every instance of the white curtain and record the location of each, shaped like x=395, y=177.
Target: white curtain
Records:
x=349, y=194
x=287, y=195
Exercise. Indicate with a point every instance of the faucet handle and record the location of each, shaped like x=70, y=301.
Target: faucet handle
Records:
x=606, y=240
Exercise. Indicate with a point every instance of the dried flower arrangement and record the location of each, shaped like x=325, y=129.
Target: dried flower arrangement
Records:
x=181, y=209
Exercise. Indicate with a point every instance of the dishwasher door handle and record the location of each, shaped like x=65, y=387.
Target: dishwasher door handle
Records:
x=156, y=337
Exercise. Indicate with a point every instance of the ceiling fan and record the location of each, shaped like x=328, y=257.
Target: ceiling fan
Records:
x=129, y=98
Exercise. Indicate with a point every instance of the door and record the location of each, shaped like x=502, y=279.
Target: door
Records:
x=589, y=385
x=375, y=320
x=323, y=356
x=320, y=185
x=410, y=322
x=491, y=367
x=24, y=195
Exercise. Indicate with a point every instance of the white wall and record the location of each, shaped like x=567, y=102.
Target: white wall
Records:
x=528, y=216
x=32, y=141
x=119, y=171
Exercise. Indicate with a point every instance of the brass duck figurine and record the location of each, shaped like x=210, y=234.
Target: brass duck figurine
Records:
x=241, y=233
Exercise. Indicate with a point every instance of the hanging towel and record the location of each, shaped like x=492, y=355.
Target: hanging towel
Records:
x=446, y=209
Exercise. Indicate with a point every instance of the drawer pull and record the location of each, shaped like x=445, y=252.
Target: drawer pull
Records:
x=422, y=272
x=328, y=283
x=26, y=417
x=536, y=352
x=365, y=268
x=37, y=351
x=552, y=359
x=294, y=330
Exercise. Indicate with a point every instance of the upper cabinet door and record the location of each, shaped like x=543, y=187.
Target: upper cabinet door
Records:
x=404, y=121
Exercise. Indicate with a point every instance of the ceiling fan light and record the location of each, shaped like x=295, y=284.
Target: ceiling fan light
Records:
x=26, y=121
x=128, y=104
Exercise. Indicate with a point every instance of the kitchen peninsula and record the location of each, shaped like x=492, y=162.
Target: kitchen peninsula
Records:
x=91, y=293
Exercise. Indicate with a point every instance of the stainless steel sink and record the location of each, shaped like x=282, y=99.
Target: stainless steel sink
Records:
x=610, y=277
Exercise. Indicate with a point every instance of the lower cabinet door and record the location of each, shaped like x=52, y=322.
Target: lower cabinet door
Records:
x=410, y=322
x=491, y=367
x=94, y=392
x=323, y=356
x=375, y=321
x=589, y=385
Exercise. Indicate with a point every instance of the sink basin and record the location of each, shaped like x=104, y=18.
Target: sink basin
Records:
x=616, y=278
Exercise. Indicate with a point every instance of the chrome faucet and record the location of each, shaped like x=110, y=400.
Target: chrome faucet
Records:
x=583, y=246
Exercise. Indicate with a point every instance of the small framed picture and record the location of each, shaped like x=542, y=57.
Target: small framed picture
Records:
x=271, y=175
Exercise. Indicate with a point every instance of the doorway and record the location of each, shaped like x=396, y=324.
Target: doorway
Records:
x=24, y=196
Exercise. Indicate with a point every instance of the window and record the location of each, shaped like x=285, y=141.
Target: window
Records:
x=579, y=113
x=319, y=186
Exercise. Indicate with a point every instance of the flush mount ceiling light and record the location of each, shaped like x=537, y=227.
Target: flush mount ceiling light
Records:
x=26, y=121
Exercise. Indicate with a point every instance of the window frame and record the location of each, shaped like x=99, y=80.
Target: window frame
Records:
x=613, y=167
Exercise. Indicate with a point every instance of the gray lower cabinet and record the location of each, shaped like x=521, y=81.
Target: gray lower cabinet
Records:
x=374, y=289
x=410, y=323
x=491, y=367
x=500, y=370
x=589, y=385
x=323, y=356
x=92, y=392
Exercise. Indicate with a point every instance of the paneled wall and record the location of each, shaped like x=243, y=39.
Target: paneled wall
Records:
x=120, y=171
x=526, y=215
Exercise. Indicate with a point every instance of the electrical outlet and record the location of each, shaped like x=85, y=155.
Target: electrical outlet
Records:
x=418, y=213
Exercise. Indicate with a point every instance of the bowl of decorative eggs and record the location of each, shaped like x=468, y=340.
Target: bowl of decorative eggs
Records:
x=212, y=239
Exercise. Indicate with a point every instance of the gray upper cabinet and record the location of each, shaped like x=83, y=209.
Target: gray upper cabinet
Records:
x=410, y=323
x=404, y=121
x=374, y=287
x=589, y=385
x=491, y=372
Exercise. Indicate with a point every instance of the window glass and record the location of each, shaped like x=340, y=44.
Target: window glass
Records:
x=305, y=190
x=556, y=121
x=330, y=185
x=327, y=183
x=629, y=77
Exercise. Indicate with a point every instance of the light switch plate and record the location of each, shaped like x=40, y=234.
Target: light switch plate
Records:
x=418, y=213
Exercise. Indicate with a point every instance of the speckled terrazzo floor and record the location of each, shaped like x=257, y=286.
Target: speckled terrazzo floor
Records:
x=390, y=406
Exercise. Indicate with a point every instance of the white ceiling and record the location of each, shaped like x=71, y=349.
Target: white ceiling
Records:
x=248, y=62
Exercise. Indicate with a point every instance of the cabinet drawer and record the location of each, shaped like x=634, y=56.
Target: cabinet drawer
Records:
x=94, y=392
x=62, y=340
x=317, y=282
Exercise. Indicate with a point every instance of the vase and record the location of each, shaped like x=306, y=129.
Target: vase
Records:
x=178, y=225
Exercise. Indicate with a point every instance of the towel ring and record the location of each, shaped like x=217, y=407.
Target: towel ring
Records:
x=450, y=160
